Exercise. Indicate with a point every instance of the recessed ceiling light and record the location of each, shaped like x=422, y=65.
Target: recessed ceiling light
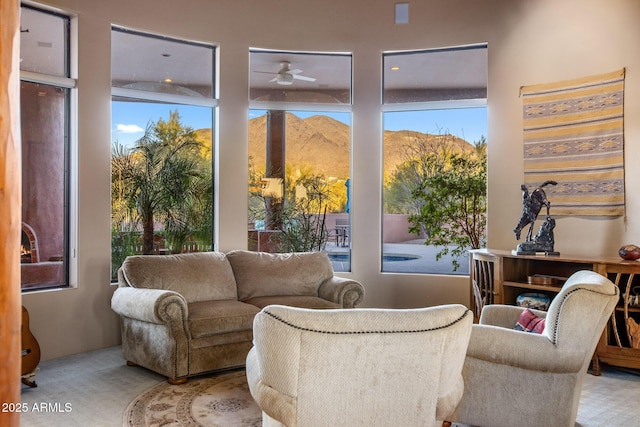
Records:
x=168, y=80
x=395, y=68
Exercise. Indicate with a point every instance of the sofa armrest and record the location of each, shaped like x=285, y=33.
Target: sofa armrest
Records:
x=150, y=305
x=346, y=292
x=525, y=350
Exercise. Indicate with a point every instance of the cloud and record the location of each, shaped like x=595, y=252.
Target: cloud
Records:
x=129, y=128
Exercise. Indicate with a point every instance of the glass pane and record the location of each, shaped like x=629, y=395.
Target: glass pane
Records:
x=44, y=42
x=435, y=75
x=300, y=77
x=44, y=122
x=299, y=199
x=170, y=209
x=419, y=145
x=161, y=65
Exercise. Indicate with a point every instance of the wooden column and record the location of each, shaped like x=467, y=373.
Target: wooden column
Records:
x=275, y=167
x=10, y=199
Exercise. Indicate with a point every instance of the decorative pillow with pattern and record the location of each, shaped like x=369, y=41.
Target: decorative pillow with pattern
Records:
x=529, y=322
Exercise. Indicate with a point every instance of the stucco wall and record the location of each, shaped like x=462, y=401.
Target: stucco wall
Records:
x=529, y=42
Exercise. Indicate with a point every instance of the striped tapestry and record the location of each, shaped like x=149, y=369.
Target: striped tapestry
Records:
x=573, y=134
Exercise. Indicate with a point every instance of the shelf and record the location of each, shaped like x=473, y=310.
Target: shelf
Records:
x=632, y=309
x=525, y=285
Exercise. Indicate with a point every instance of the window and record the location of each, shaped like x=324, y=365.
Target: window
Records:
x=163, y=100
x=299, y=153
x=435, y=127
x=45, y=103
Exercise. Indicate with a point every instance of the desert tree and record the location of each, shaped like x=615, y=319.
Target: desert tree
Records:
x=454, y=203
x=161, y=179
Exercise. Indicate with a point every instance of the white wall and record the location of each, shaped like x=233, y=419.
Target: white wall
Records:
x=529, y=42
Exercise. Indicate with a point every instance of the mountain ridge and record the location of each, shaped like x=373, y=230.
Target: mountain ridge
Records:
x=323, y=144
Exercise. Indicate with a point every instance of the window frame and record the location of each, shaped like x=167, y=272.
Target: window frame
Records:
x=434, y=105
x=127, y=94
x=69, y=84
x=311, y=107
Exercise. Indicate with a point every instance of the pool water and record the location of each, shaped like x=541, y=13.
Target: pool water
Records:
x=385, y=257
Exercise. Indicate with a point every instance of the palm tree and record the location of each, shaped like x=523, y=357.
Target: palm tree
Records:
x=158, y=179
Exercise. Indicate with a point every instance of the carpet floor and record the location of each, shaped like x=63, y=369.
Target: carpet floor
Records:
x=95, y=389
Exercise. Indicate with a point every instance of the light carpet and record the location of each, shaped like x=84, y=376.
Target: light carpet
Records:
x=99, y=387
x=216, y=400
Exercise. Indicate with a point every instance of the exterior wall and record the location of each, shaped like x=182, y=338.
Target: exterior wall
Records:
x=395, y=229
x=42, y=161
x=529, y=42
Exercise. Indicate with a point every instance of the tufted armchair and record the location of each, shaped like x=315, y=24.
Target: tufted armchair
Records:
x=363, y=367
x=515, y=378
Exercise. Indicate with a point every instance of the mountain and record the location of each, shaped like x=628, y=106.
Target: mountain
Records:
x=324, y=143
x=317, y=141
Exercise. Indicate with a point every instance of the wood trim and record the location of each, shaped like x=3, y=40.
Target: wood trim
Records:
x=10, y=210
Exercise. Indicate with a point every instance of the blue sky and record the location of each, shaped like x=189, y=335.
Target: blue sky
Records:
x=131, y=118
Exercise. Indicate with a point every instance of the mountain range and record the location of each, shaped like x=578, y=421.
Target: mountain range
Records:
x=323, y=144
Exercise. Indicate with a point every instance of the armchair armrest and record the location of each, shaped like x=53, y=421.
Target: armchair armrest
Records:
x=504, y=316
x=150, y=305
x=519, y=349
x=346, y=292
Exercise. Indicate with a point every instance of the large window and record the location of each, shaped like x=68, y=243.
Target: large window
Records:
x=299, y=153
x=435, y=128
x=45, y=104
x=163, y=100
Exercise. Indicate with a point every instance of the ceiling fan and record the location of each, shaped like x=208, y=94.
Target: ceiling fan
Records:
x=285, y=76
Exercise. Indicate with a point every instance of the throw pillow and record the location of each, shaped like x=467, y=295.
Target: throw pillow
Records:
x=529, y=322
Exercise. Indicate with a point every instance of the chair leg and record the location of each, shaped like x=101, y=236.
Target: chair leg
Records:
x=177, y=381
x=446, y=424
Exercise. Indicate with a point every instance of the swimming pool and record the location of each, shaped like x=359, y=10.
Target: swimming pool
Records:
x=385, y=257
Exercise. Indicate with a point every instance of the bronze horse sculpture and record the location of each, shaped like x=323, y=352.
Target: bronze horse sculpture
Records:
x=531, y=206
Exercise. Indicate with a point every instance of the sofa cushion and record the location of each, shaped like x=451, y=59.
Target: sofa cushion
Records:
x=261, y=274
x=301, y=301
x=217, y=317
x=200, y=276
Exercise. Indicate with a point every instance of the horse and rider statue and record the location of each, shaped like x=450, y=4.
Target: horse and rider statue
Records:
x=532, y=204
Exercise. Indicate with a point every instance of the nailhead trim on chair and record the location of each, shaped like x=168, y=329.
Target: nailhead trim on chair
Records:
x=467, y=312
x=564, y=299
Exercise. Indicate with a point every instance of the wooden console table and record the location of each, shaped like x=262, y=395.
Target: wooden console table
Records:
x=498, y=277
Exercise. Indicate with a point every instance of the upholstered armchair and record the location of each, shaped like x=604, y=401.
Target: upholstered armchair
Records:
x=362, y=367
x=516, y=378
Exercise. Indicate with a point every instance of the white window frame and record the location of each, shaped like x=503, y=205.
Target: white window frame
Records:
x=71, y=83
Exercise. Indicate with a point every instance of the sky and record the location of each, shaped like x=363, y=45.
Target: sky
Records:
x=130, y=119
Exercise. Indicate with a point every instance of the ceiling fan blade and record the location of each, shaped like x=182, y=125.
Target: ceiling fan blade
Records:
x=305, y=78
x=264, y=72
x=296, y=71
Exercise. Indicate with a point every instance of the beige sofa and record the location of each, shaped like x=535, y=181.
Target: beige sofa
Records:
x=187, y=314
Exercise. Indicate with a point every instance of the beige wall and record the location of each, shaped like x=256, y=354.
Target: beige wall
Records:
x=529, y=42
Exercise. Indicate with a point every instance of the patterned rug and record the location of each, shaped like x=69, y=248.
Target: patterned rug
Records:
x=217, y=400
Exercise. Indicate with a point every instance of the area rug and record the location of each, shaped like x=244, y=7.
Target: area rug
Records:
x=219, y=400
x=573, y=134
